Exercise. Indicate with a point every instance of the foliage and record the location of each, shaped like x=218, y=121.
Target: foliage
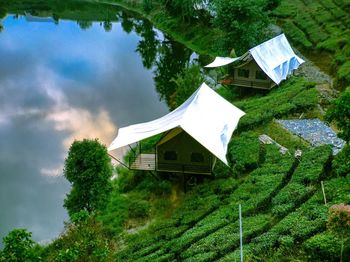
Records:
x=323, y=247
x=186, y=9
x=19, y=246
x=294, y=95
x=245, y=19
x=147, y=5
x=138, y=208
x=341, y=162
x=115, y=214
x=339, y=112
x=311, y=169
x=82, y=241
x=187, y=83
x=339, y=223
x=89, y=169
x=243, y=152
x=319, y=26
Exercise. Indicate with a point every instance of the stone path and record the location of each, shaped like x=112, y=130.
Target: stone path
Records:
x=314, y=131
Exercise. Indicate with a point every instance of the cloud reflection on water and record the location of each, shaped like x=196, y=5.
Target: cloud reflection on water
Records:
x=57, y=84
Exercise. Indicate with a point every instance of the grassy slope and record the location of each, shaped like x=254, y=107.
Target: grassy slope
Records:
x=275, y=195
x=321, y=29
x=284, y=215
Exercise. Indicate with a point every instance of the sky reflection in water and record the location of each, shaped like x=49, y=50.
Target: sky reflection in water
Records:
x=57, y=84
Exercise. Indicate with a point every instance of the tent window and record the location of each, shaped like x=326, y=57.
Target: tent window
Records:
x=197, y=157
x=260, y=75
x=170, y=155
x=243, y=72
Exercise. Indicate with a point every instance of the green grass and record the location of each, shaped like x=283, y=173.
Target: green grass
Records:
x=318, y=26
x=294, y=96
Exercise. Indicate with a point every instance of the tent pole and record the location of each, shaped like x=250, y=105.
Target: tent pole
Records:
x=116, y=159
x=240, y=232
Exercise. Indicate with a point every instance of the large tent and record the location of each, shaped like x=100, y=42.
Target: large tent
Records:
x=275, y=57
x=205, y=116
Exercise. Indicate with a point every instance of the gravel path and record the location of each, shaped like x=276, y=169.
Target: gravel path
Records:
x=314, y=131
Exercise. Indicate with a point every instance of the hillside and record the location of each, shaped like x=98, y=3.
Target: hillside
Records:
x=321, y=29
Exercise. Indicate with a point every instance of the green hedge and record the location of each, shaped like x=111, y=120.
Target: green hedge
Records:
x=304, y=180
x=294, y=95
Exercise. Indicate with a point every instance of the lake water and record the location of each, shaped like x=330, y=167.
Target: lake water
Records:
x=62, y=80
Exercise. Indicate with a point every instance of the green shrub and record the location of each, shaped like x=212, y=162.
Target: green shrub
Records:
x=19, y=246
x=297, y=35
x=227, y=238
x=341, y=162
x=115, y=215
x=85, y=241
x=138, y=208
x=278, y=103
x=323, y=247
x=243, y=152
x=302, y=184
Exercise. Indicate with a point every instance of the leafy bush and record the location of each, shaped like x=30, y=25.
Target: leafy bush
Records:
x=115, y=214
x=227, y=238
x=323, y=247
x=339, y=223
x=243, y=152
x=19, y=246
x=341, y=162
x=294, y=95
x=307, y=174
x=340, y=113
x=86, y=241
x=187, y=82
x=138, y=208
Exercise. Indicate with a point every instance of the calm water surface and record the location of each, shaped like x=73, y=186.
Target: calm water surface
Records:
x=59, y=83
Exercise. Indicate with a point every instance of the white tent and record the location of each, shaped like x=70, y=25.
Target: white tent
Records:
x=205, y=116
x=275, y=57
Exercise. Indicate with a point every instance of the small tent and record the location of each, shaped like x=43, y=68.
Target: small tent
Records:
x=263, y=66
x=195, y=133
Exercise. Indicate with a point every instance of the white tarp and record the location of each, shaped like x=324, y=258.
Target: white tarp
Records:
x=205, y=116
x=275, y=57
x=221, y=61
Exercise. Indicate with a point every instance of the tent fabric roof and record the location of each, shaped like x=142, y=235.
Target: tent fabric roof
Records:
x=205, y=116
x=275, y=57
x=221, y=61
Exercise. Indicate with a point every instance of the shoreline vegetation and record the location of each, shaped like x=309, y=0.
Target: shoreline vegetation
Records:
x=147, y=217
x=195, y=38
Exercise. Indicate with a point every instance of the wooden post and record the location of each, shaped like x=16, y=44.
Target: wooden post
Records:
x=324, y=194
x=240, y=232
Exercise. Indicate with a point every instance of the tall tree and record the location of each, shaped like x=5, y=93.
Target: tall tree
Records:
x=88, y=168
x=243, y=21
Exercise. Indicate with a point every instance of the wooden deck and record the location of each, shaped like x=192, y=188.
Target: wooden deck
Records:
x=148, y=162
x=143, y=162
x=248, y=83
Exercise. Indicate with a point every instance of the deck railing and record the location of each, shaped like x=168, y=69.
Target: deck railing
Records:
x=149, y=162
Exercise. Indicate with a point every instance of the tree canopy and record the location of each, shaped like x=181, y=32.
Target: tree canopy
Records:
x=339, y=112
x=244, y=23
x=89, y=170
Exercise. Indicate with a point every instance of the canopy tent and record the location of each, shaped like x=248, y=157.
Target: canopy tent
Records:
x=205, y=116
x=275, y=57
